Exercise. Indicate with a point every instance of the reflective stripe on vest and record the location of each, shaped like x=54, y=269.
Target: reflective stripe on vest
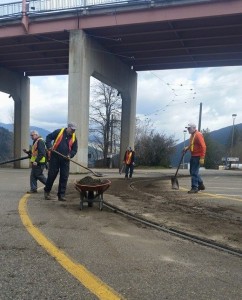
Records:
x=128, y=157
x=59, y=139
x=192, y=142
x=35, y=152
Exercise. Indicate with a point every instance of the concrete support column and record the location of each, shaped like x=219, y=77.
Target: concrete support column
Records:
x=88, y=58
x=128, y=121
x=21, y=121
x=18, y=86
x=78, y=93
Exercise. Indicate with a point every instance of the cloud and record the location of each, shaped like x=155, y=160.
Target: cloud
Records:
x=180, y=95
x=170, y=99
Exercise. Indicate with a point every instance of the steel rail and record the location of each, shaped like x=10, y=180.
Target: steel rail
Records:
x=181, y=234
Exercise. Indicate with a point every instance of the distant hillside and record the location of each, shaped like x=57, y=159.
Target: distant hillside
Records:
x=221, y=136
x=6, y=144
x=41, y=131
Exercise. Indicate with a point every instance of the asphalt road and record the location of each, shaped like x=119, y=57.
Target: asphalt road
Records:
x=100, y=255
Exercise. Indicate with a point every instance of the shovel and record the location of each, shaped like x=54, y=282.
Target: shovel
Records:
x=174, y=180
x=94, y=173
x=13, y=160
x=121, y=170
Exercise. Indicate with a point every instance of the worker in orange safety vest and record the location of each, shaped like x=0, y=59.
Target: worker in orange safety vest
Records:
x=197, y=147
x=129, y=162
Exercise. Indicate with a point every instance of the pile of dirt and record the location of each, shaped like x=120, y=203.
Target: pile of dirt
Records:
x=88, y=180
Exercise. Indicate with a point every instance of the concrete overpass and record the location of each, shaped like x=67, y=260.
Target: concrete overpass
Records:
x=83, y=39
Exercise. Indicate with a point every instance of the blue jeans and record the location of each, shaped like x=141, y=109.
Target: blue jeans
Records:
x=129, y=170
x=196, y=179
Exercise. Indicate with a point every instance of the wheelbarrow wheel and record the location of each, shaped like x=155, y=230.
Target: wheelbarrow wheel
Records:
x=82, y=196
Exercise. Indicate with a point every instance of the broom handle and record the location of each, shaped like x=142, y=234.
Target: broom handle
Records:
x=13, y=160
x=68, y=158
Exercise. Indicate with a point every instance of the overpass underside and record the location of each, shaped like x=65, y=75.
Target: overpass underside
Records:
x=134, y=35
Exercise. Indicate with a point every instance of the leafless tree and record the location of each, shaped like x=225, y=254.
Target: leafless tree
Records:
x=105, y=114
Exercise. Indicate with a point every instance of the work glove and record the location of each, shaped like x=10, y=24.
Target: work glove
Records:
x=201, y=161
x=27, y=152
x=185, y=149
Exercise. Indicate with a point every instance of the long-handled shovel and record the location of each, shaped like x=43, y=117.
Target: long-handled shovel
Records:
x=121, y=170
x=66, y=157
x=13, y=160
x=174, y=180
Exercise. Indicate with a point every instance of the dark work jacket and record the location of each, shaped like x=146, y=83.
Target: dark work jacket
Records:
x=63, y=147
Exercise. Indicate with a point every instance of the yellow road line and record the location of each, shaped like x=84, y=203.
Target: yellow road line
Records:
x=89, y=280
x=216, y=196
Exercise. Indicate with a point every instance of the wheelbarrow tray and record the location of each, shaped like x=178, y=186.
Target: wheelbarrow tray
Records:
x=92, y=193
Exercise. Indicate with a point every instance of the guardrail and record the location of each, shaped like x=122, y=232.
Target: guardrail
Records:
x=14, y=9
x=10, y=9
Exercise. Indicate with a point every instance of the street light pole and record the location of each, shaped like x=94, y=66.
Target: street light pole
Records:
x=184, y=132
x=232, y=142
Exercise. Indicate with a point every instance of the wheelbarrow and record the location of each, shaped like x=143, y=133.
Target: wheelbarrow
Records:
x=92, y=193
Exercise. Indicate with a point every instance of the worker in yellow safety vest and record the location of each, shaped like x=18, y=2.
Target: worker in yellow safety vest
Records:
x=37, y=156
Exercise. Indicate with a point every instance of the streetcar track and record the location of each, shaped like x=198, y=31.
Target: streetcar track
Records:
x=179, y=233
x=173, y=231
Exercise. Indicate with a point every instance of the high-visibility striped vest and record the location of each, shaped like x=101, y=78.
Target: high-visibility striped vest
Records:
x=192, y=141
x=35, y=152
x=128, y=157
x=60, y=137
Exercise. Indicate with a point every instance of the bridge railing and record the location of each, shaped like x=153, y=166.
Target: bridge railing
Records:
x=50, y=5
x=13, y=9
x=10, y=9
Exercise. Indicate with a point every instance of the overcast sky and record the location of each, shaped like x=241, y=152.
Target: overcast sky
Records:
x=170, y=99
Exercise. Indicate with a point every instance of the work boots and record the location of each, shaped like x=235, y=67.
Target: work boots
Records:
x=47, y=196
x=193, y=191
x=201, y=187
x=32, y=191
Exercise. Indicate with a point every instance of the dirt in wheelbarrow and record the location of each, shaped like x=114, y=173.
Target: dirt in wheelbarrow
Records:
x=154, y=200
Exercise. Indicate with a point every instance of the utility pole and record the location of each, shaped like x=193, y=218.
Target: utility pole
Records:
x=184, y=132
x=232, y=142
x=200, y=117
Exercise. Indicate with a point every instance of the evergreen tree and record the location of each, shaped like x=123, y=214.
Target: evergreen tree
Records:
x=6, y=144
x=215, y=151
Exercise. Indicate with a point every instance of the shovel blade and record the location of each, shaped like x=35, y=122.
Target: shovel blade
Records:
x=98, y=174
x=174, y=183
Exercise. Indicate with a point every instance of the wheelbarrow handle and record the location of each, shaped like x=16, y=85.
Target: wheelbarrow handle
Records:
x=68, y=158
